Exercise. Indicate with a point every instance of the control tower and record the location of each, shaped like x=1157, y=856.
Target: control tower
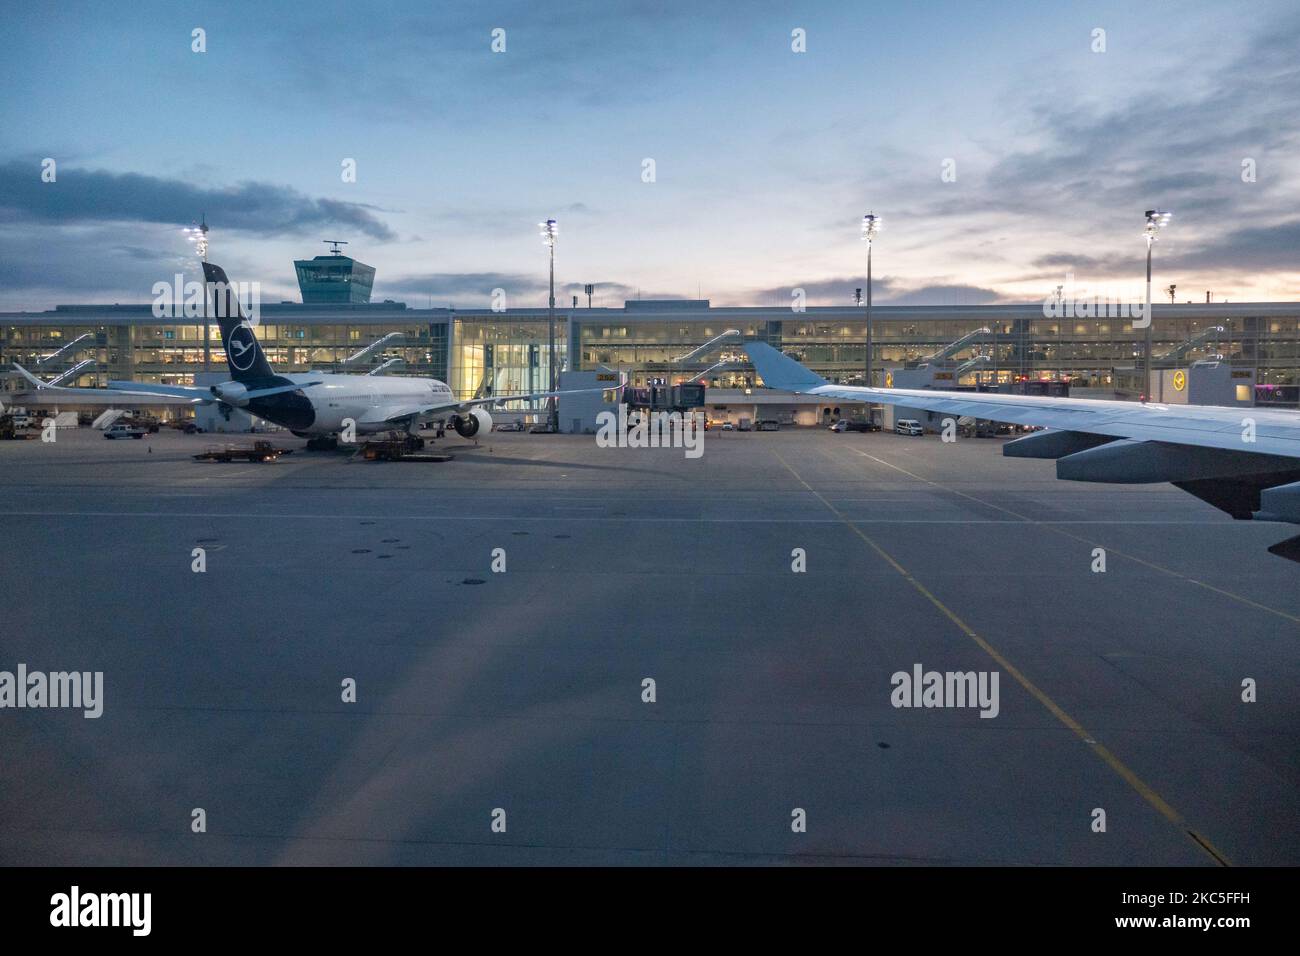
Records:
x=334, y=278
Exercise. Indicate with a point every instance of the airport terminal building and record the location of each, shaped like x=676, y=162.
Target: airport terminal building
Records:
x=670, y=341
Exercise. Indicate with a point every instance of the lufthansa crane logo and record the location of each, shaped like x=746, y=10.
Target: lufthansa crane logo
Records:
x=1180, y=380
x=889, y=380
x=241, y=348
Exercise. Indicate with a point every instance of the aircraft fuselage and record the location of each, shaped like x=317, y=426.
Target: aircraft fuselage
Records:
x=323, y=408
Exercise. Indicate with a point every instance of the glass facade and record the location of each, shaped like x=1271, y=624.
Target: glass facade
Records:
x=506, y=352
x=334, y=279
x=132, y=344
x=832, y=342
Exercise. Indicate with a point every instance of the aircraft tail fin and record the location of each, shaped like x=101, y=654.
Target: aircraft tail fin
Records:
x=244, y=353
x=781, y=371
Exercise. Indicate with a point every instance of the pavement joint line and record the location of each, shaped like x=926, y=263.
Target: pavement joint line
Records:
x=1052, y=526
x=306, y=838
x=1089, y=740
x=260, y=516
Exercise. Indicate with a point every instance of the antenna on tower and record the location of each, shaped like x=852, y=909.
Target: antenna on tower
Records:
x=334, y=246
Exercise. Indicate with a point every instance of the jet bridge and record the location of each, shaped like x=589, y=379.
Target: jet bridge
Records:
x=71, y=349
x=952, y=348
x=71, y=375
x=390, y=363
x=707, y=346
x=1178, y=353
x=392, y=338
x=967, y=366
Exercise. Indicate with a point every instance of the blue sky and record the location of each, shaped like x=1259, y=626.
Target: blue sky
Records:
x=765, y=159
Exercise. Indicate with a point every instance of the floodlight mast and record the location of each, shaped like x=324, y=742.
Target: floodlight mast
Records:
x=199, y=236
x=870, y=226
x=1157, y=219
x=550, y=231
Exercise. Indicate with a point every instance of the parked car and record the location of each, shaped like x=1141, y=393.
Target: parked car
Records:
x=541, y=428
x=847, y=425
x=908, y=426
x=509, y=427
x=119, y=430
x=769, y=425
x=728, y=427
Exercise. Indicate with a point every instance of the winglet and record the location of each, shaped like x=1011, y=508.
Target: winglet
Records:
x=30, y=377
x=781, y=371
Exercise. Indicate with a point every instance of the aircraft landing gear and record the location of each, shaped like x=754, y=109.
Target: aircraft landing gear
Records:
x=409, y=442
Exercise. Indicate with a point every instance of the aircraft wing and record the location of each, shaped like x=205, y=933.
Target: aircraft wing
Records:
x=175, y=391
x=426, y=411
x=182, y=393
x=1245, y=461
x=391, y=414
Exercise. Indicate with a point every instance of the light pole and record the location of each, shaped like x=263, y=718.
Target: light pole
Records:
x=199, y=236
x=870, y=226
x=549, y=233
x=1156, y=220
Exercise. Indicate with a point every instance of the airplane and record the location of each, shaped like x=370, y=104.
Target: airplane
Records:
x=1243, y=461
x=316, y=405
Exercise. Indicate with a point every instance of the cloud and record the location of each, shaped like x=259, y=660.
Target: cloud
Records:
x=464, y=285
x=83, y=196
x=1255, y=249
x=885, y=290
x=940, y=294
x=588, y=54
x=835, y=291
x=522, y=290
x=1267, y=248
x=117, y=262
x=1181, y=144
x=1080, y=170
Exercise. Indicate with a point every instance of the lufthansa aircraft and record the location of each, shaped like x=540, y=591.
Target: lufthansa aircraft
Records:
x=316, y=405
x=1245, y=461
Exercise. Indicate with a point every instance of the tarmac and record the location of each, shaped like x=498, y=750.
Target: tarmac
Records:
x=502, y=716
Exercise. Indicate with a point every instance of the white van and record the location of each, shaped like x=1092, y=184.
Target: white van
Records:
x=908, y=426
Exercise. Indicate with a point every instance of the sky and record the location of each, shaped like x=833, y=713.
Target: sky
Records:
x=764, y=159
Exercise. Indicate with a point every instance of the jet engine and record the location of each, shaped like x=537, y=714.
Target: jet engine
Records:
x=231, y=393
x=467, y=426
